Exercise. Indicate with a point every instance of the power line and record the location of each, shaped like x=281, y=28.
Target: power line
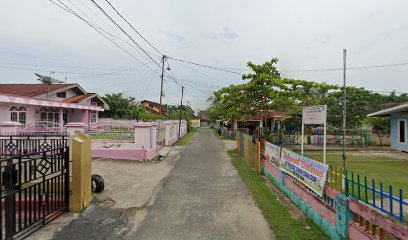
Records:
x=65, y=72
x=206, y=66
x=117, y=25
x=100, y=28
x=56, y=66
x=133, y=27
x=108, y=33
x=349, y=68
x=58, y=59
x=148, y=85
x=69, y=10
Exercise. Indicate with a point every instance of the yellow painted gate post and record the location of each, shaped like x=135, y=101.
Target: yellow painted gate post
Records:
x=80, y=153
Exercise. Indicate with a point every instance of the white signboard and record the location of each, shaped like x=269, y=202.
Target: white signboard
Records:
x=314, y=115
x=272, y=153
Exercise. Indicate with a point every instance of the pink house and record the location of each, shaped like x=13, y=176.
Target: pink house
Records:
x=43, y=106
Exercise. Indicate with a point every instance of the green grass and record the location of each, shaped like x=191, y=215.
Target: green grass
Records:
x=187, y=138
x=388, y=170
x=276, y=214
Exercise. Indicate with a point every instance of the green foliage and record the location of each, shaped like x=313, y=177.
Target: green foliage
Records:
x=376, y=123
x=360, y=102
x=122, y=107
x=264, y=90
x=187, y=138
x=278, y=215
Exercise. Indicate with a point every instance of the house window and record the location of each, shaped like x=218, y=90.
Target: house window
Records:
x=65, y=116
x=402, y=131
x=50, y=115
x=22, y=115
x=62, y=94
x=14, y=114
x=94, y=104
x=93, y=118
x=18, y=115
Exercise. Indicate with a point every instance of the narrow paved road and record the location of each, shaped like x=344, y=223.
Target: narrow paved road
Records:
x=204, y=198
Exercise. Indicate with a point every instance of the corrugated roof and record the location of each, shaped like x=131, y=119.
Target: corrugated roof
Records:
x=30, y=90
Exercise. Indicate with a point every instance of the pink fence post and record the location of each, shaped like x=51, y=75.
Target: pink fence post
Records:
x=167, y=133
x=73, y=127
x=143, y=137
x=10, y=127
x=153, y=135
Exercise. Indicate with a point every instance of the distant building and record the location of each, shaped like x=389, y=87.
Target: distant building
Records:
x=55, y=104
x=153, y=107
x=204, y=119
x=399, y=129
x=260, y=120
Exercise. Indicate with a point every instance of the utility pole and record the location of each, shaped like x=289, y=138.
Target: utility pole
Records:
x=161, y=84
x=344, y=109
x=181, y=109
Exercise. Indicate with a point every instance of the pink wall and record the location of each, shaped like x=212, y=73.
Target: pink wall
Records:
x=53, y=95
x=31, y=114
x=123, y=154
x=325, y=210
x=374, y=218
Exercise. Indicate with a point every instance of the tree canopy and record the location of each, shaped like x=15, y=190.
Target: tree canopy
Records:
x=122, y=107
x=265, y=90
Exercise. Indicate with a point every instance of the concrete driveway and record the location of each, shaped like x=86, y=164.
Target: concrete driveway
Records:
x=195, y=193
x=204, y=198
x=130, y=189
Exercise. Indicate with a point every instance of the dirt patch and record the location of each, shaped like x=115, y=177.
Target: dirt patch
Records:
x=229, y=144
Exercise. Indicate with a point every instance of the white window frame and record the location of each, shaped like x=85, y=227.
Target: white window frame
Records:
x=20, y=114
x=399, y=131
x=93, y=117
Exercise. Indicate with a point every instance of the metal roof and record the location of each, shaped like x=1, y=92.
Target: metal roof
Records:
x=389, y=111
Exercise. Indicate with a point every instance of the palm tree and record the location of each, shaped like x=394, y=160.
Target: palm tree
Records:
x=47, y=80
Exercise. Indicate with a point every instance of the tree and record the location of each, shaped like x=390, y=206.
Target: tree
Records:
x=121, y=107
x=264, y=90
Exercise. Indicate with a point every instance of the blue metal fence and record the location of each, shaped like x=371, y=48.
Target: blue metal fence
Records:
x=389, y=202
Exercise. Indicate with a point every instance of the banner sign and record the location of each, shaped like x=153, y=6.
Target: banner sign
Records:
x=310, y=172
x=272, y=153
x=314, y=115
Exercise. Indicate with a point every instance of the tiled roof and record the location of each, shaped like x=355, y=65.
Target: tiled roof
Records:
x=152, y=110
x=267, y=115
x=155, y=104
x=30, y=90
x=77, y=99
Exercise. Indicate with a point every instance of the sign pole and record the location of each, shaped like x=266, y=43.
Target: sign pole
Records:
x=303, y=133
x=325, y=132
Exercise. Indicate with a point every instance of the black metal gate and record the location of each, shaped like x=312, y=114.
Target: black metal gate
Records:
x=34, y=182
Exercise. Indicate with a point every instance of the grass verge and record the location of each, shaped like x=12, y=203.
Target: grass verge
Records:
x=280, y=221
x=390, y=171
x=187, y=138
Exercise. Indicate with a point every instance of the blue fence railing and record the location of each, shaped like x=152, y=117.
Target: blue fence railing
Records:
x=386, y=200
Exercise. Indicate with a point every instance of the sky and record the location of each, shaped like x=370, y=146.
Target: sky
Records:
x=38, y=36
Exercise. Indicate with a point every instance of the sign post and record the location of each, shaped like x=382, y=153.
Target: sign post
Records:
x=315, y=115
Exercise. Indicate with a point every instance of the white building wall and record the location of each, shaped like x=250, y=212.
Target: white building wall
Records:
x=53, y=95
